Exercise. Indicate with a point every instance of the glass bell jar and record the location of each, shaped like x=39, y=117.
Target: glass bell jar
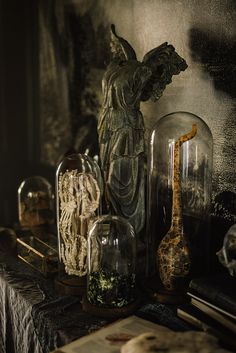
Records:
x=35, y=202
x=111, y=282
x=179, y=197
x=78, y=193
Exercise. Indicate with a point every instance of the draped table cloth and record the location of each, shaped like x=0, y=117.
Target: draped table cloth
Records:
x=36, y=319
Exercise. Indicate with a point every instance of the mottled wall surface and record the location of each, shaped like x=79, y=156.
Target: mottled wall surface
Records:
x=68, y=97
x=55, y=126
x=203, y=32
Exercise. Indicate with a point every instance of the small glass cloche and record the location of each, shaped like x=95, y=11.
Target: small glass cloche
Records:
x=35, y=202
x=111, y=282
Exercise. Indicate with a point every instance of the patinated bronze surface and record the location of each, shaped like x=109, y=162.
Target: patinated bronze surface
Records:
x=126, y=83
x=173, y=254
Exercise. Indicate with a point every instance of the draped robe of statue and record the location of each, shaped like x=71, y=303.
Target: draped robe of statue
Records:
x=125, y=84
x=122, y=139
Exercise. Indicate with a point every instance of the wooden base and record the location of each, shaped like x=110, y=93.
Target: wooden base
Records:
x=155, y=290
x=110, y=313
x=71, y=286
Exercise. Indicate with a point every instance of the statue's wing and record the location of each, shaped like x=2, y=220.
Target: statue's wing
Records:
x=164, y=63
x=120, y=47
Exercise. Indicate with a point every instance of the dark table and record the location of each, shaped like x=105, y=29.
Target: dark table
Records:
x=36, y=319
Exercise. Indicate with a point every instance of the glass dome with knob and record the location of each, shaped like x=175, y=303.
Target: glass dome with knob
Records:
x=179, y=196
x=78, y=192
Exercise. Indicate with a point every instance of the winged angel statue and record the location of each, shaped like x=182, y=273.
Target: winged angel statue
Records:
x=125, y=84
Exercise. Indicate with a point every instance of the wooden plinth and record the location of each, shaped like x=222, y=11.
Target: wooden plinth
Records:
x=71, y=286
x=155, y=290
x=110, y=313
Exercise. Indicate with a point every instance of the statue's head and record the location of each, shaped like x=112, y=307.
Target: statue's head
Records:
x=116, y=50
x=120, y=48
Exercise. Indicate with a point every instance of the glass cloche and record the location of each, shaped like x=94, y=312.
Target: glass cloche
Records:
x=78, y=193
x=35, y=202
x=179, y=196
x=111, y=281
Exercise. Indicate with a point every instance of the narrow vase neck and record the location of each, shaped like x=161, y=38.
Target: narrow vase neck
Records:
x=177, y=213
x=177, y=218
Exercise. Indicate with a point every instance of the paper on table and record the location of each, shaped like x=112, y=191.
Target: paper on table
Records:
x=110, y=339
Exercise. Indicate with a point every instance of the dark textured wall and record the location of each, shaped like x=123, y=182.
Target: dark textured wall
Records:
x=19, y=118
x=202, y=31
x=74, y=42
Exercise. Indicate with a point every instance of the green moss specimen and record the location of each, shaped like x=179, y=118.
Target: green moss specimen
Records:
x=110, y=289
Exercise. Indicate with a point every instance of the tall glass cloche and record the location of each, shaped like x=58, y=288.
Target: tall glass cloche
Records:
x=179, y=196
x=78, y=193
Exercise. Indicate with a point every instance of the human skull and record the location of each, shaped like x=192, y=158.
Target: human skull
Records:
x=227, y=255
